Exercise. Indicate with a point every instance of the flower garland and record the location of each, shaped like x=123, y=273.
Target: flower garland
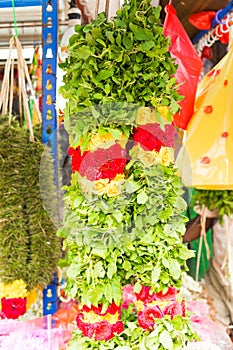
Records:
x=15, y=299
x=133, y=235
x=29, y=244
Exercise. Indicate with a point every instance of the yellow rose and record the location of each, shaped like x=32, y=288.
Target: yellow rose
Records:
x=134, y=152
x=166, y=156
x=100, y=141
x=148, y=158
x=143, y=115
x=100, y=186
x=122, y=140
x=163, y=110
x=119, y=178
x=139, y=305
x=114, y=189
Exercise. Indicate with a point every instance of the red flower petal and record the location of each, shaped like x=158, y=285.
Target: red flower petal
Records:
x=146, y=139
x=174, y=309
x=170, y=295
x=145, y=295
x=118, y=327
x=13, y=307
x=146, y=318
x=100, y=331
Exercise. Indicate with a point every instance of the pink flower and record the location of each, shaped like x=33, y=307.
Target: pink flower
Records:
x=174, y=309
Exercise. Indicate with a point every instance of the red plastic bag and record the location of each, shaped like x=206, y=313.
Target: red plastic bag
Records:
x=202, y=20
x=189, y=65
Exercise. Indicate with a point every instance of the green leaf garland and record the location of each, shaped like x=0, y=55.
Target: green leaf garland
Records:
x=29, y=247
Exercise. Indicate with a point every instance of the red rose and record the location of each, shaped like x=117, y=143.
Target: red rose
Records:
x=77, y=157
x=174, y=309
x=147, y=317
x=13, y=307
x=81, y=325
x=146, y=139
x=169, y=295
x=118, y=327
x=100, y=331
x=166, y=136
x=103, y=163
x=145, y=295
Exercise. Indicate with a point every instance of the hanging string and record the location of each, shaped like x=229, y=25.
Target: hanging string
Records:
x=15, y=20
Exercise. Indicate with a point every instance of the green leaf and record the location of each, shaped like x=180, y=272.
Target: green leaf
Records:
x=112, y=268
x=99, y=270
x=142, y=197
x=127, y=42
x=175, y=269
x=155, y=274
x=137, y=287
x=105, y=74
x=73, y=271
x=166, y=340
x=147, y=45
x=126, y=265
x=132, y=186
x=141, y=33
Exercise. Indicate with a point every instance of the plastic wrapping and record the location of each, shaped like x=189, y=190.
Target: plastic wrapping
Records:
x=202, y=20
x=205, y=159
x=47, y=332
x=189, y=65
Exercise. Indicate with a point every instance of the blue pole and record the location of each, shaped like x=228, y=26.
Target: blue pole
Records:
x=49, y=114
x=20, y=3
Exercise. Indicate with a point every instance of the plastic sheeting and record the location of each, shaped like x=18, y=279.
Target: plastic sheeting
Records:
x=189, y=65
x=205, y=159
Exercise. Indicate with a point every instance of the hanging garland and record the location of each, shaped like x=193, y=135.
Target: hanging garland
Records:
x=123, y=210
x=29, y=250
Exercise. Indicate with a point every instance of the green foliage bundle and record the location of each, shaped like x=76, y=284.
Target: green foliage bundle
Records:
x=220, y=200
x=132, y=238
x=122, y=60
x=29, y=247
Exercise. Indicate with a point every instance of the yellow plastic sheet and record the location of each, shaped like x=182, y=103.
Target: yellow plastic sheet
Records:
x=205, y=159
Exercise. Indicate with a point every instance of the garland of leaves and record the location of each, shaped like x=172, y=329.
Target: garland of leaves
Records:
x=113, y=69
x=29, y=247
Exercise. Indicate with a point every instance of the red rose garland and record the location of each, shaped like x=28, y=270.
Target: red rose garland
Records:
x=100, y=164
x=100, y=326
x=156, y=305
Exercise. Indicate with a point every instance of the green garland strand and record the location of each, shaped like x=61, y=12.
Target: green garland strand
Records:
x=29, y=247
